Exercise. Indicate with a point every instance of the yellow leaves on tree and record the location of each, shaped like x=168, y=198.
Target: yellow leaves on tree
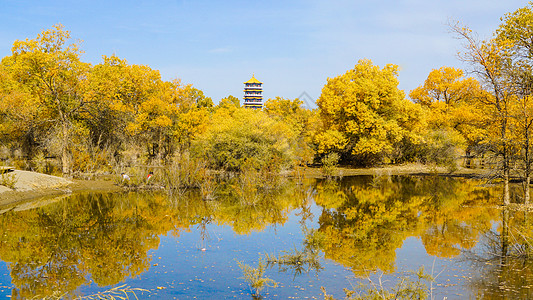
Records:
x=299, y=119
x=364, y=114
x=450, y=103
x=330, y=139
x=52, y=72
x=19, y=110
x=134, y=101
x=445, y=85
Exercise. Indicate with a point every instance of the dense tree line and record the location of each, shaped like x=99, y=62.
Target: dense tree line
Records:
x=103, y=117
x=92, y=117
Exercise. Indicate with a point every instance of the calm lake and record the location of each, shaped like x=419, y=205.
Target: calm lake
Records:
x=356, y=230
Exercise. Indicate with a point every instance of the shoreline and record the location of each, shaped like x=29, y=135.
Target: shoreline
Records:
x=405, y=169
x=33, y=186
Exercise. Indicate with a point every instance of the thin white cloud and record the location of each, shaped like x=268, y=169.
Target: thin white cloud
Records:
x=221, y=50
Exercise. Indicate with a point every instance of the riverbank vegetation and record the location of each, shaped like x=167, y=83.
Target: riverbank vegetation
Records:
x=59, y=114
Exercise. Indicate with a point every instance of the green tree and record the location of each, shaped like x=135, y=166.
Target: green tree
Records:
x=242, y=137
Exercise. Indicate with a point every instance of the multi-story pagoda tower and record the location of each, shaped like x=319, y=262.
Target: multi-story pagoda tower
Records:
x=253, y=94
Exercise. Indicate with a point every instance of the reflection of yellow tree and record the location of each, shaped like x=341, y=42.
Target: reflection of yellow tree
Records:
x=505, y=261
x=270, y=207
x=56, y=248
x=363, y=224
x=454, y=215
x=105, y=237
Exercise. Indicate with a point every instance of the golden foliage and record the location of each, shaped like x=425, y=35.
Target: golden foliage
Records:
x=364, y=114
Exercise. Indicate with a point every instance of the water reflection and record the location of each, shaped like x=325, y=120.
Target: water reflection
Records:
x=361, y=223
x=55, y=249
x=105, y=238
x=506, y=259
x=365, y=219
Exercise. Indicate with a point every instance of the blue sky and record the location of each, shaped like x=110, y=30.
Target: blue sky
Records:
x=292, y=46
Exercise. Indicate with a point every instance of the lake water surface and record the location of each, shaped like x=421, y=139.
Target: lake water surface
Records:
x=357, y=230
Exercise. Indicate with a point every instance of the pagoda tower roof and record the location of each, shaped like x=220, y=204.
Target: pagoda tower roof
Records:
x=253, y=80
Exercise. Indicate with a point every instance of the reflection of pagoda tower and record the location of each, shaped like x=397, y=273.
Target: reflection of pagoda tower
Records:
x=253, y=97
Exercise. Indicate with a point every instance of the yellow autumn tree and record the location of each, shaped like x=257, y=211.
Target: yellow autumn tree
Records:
x=299, y=119
x=516, y=30
x=107, y=117
x=20, y=124
x=454, y=118
x=229, y=101
x=489, y=60
x=365, y=115
x=194, y=111
x=134, y=105
x=51, y=71
x=449, y=97
x=129, y=107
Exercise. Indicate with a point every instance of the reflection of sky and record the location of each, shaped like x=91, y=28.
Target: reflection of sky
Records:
x=449, y=273
x=183, y=271
x=180, y=269
x=5, y=280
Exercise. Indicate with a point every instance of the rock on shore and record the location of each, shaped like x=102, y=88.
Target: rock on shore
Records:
x=29, y=181
x=32, y=184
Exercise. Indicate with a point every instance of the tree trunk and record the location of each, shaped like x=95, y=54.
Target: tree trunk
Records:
x=506, y=192
x=160, y=148
x=527, y=160
x=526, y=196
x=506, y=163
x=504, y=237
x=65, y=155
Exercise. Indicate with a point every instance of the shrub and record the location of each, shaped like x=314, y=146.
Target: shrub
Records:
x=247, y=137
x=8, y=179
x=256, y=278
x=329, y=164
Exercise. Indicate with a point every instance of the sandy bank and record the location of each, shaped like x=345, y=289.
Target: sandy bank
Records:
x=32, y=185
